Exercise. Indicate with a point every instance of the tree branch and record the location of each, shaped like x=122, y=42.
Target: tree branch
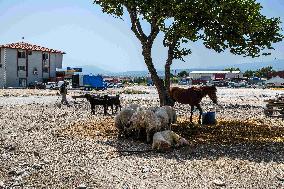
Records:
x=154, y=30
x=136, y=26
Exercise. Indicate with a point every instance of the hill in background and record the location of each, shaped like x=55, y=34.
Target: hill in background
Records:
x=278, y=65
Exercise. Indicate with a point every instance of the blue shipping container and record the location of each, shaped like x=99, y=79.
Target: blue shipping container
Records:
x=96, y=82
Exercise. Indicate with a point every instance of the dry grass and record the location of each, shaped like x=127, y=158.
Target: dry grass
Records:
x=92, y=128
x=224, y=132
x=230, y=132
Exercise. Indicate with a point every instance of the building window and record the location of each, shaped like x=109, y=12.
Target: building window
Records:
x=35, y=71
x=0, y=65
x=45, y=69
x=45, y=64
x=21, y=68
x=21, y=54
x=44, y=56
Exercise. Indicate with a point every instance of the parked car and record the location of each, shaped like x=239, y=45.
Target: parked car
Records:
x=36, y=85
x=50, y=85
x=110, y=85
x=182, y=83
x=119, y=85
x=56, y=85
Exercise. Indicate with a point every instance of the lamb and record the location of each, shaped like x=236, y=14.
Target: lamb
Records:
x=122, y=119
x=144, y=120
x=165, y=140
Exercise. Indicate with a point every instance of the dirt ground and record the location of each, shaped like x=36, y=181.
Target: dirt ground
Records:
x=47, y=145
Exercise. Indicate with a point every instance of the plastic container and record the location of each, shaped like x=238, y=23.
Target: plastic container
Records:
x=209, y=118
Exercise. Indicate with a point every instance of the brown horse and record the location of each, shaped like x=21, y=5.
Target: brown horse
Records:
x=193, y=96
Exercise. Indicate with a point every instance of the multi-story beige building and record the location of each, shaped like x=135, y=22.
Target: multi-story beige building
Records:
x=23, y=63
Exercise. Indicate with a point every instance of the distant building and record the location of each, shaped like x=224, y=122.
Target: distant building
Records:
x=279, y=73
x=215, y=75
x=275, y=82
x=66, y=74
x=23, y=63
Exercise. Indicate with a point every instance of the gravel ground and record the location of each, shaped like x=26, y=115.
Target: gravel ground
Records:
x=46, y=145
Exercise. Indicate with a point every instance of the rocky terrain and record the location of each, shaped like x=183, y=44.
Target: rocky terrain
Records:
x=44, y=144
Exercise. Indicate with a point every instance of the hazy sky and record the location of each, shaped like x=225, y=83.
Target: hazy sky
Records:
x=90, y=37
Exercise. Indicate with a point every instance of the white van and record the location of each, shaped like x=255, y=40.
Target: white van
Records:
x=50, y=85
x=54, y=85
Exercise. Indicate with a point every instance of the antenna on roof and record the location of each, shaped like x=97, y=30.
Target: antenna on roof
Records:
x=23, y=38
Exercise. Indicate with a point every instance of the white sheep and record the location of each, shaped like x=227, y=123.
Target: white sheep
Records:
x=153, y=108
x=167, y=139
x=122, y=119
x=162, y=114
x=145, y=119
x=171, y=113
x=133, y=106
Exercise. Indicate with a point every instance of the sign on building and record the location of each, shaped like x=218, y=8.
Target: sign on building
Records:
x=69, y=69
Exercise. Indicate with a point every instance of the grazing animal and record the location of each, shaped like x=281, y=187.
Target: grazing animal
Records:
x=104, y=101
x=95, y=101
x=122, y=120
x=113, y=101
x=165, y=140
x=153, y=108
x=171, y=113
x=144, y=120
x=133, y=106
x=193, y=97
x=163, y=116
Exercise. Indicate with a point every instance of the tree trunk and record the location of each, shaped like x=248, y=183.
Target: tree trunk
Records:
x=168, y=65
x=167, y=77
x=147, y=43
x=159, y=83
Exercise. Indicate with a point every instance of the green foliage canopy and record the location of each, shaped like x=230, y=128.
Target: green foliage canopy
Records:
x=236, y=25
x=183, y=74
x=262, y=73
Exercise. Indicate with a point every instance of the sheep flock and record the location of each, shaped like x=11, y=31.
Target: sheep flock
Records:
x=135, y=119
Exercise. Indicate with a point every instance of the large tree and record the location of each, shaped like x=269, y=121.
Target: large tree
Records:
x=236, y=25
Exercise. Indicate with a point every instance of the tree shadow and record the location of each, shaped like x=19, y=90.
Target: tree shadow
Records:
x=246, y=140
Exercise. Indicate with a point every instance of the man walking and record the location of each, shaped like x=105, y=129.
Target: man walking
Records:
x=63, y=92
